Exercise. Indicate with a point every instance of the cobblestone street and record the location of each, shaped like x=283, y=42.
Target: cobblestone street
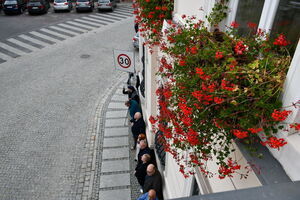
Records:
x=53, y=104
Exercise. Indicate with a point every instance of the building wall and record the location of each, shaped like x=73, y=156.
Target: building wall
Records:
x=289, y=155
x=177, y=186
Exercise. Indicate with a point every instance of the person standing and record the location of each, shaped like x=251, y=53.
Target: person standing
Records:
x=133, y=108
x=132, y=94
x=141, y=136
x=153, y=180
x=144, y=149
x=138, y=127
x=141, y=169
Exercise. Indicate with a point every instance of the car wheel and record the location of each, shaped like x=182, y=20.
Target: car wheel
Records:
x=6, y=13
x=77, y=10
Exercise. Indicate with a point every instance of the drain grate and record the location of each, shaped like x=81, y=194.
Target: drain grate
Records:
x=85, y=56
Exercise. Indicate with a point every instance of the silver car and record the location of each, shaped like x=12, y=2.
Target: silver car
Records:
x=106, y=5
x=62, y=5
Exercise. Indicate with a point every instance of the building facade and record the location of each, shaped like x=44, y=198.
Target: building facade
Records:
x=269, y=15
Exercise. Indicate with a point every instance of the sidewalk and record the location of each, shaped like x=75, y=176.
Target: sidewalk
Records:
x=117, y=181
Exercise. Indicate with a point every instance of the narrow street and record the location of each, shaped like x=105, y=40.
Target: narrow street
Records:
x=49, y=91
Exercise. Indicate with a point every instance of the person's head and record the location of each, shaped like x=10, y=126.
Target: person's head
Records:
x=151, y=170
x=137, y=115
x=143, y=144
x=146, y=158
x=151, y=194
x=130, y=88
x=141, y=136
x=127, y=103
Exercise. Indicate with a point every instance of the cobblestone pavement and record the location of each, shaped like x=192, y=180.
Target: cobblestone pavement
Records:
x=47, y=118
x=108, y=172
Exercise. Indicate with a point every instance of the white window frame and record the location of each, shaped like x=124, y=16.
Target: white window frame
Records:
x=267, y=16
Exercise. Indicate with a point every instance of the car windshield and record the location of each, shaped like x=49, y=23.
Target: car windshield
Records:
x=60, y=1
x=82, y=0
x=104, y=1
x=34, y=1
x=10, y=2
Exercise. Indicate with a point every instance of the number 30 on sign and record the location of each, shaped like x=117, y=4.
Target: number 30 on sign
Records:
x=124, y=60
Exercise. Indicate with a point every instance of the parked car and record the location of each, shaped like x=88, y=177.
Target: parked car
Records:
x=38, y=6
x=14, y=6
x=106, y=5
x=82, y=5
x=135, y=40
x=62, y=5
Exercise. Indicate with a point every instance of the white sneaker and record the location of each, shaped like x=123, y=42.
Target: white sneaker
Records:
x=141, y=191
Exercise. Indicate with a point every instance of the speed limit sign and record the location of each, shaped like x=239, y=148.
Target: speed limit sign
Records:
x=124, y=60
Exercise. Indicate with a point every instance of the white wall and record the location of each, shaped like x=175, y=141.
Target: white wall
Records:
x=175, y=184
x=150, y=107
x=289, y=155
x=197, y=8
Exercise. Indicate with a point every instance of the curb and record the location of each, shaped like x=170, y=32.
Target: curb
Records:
x=88, y=186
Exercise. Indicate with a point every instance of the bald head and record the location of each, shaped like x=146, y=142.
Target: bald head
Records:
x=150, y=170
x=137, y=115
x=151, y=194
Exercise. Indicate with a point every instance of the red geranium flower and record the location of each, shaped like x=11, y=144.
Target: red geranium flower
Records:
x=219, y=55
x=234, y=24
x=218, y=100
x=240, y=134
x=280, y=115
x=296, y=126
x=274, y=142
x=182, y=63
x=194, y=50
x=164, y=8
x=281, y=41
x=240, y=47
x=255, y=130
x=252, y=25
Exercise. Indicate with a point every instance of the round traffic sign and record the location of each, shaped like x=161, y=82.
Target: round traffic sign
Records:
x=124, y=60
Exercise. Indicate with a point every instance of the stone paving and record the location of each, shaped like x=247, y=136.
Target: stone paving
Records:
x=107, y=170
x=116, y=169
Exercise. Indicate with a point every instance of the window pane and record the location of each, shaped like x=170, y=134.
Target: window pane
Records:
x=287, y=21
x=248, y=11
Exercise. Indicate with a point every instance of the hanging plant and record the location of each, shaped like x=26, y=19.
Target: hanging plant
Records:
x=219, y=88
x=150, y=15
x=218, y=13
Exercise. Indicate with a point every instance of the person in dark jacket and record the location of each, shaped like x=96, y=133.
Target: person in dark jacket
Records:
x=133, y=108
x=132, y=94
x=144, y=149
x=141, y=169
x=136, y=27
x=153, y=180
x=138, y=127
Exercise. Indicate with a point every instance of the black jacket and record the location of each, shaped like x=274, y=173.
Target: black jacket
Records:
x=154, y=182
x=146, y=150
x=141, y=172
x=132, y=95
x=138, y=127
